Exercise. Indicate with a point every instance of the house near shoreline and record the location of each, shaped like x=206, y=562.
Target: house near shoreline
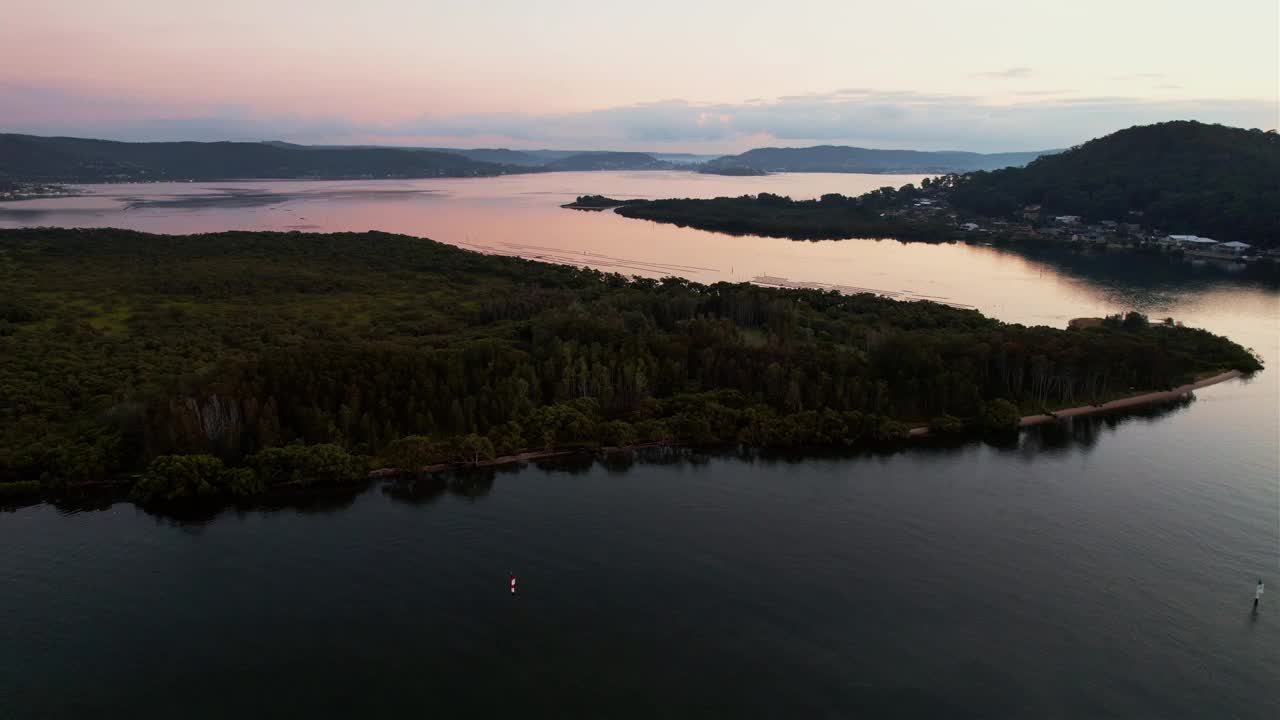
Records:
x=1208, y=247
x=1191, y=242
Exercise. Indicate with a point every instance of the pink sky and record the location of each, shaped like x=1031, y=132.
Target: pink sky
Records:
x=652, y=76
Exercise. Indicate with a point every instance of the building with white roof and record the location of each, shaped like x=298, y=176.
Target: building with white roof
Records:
x=1193, y=241
x=1235, y=247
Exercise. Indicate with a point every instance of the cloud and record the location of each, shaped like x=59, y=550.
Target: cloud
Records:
x=1141, y=76
x=1013, y=73
x=902, y=119
x=1037, y=93
x=1035, y=119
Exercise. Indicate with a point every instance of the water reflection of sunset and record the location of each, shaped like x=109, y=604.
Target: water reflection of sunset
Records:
x=521, y=215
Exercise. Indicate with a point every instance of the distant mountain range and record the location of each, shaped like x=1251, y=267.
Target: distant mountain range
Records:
x=845, y=159
x=609, y=161
x=502, y=156
x=59, y=159
x=31, y=158
x=602, y=160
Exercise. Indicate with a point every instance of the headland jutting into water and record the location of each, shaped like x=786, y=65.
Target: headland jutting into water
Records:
x=223, y=365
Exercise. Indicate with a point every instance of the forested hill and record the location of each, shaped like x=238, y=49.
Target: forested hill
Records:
x=501, y=156
x=58, y=159
x=30, y=158
x=609, y=161
x=1179, y=177
x=839, y=158
x=120, y=347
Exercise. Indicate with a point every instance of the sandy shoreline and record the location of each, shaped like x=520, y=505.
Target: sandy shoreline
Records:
x=917, y=432
x=1130, y=402
x=1120, y=404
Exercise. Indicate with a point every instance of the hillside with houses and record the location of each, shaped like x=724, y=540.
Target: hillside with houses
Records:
x=1032, y=223
x=1171, y=181
x=1180, y=187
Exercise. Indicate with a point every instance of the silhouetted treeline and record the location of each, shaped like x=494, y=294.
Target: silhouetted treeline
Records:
x=832, y=217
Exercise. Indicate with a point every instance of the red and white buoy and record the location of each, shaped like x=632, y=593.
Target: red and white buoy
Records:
x=513, y=584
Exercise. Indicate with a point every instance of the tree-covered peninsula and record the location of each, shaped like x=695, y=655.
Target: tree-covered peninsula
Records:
x=225, y=365
x=874, y=214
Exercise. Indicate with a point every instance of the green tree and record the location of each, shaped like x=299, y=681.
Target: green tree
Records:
x=473, y=449
x=1000, y=417
x=412, y=453
x=176, y=477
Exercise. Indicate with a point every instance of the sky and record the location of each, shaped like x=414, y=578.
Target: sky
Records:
x=703, y=76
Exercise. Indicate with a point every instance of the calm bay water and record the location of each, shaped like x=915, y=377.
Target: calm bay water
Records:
x=1100, y=570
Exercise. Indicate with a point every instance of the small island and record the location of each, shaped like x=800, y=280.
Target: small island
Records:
x=598, y=202
x=219, y=367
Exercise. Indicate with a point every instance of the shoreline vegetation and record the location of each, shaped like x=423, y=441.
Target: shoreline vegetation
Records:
x=26, y=492
x=832, y=217
x=230, y=366
x=886, y=213
x=1118, y=405
x=598, y=202
x=1130, y=402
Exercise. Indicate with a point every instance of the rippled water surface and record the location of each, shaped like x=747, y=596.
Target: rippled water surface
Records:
x=1100, y=570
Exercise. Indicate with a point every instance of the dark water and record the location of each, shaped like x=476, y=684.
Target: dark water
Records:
x=1100, y=570
x=1071, y=577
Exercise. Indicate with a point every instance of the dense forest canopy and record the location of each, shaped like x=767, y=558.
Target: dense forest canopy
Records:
x=285, y=354
x=1179, y=177
x=831, y=217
